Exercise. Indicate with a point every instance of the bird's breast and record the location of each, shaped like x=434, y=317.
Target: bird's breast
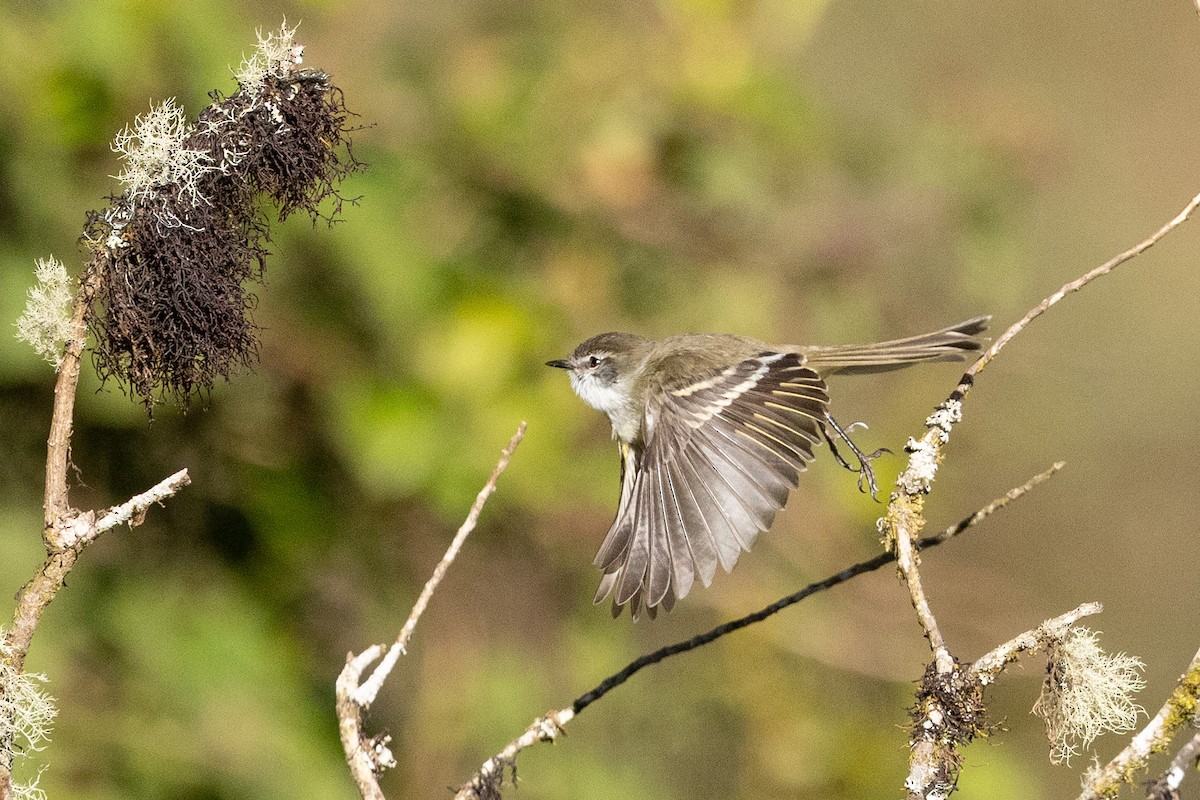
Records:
x=614, y=401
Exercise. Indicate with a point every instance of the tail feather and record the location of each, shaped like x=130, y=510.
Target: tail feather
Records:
x=948, y=344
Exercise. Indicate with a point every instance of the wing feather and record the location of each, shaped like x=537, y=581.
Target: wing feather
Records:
x=724, y=533
x=721, y=453
x=659, y=570
x=697, y=531
x=683, y=561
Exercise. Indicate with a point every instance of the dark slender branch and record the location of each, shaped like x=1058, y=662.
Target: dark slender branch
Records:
x=484, y=784
x=870, y=565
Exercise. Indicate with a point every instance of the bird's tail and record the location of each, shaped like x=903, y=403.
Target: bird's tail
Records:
x=948, y=344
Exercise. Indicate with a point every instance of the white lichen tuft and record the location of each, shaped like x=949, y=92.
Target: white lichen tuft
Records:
x=918, y=477
x=945, y=417
x=1086, y=693
x=46, y=323
x=1091, y=774
x=155, y=155
x=277, y=55
x=31, y=790
x=26, y=714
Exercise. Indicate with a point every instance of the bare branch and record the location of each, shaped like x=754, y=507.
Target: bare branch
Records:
x=367, y=757
x=484, y=785
x=131, y=512
x=58, y=444
x=1177, y=712
x=906, y=563
x=366, y=693
x=1074, y=286
x=65, y=539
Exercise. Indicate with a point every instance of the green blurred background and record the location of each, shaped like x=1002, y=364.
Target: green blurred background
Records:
x=540, y=171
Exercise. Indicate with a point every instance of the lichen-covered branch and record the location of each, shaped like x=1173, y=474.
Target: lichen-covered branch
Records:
x=368, y=756
x=904, y=516
x=934, y=758
x=163, y=291
x=949, y=709
x=181, y=249
x=1185, y=761
x=904, y=519
x=988, y=666
x=1178, y=712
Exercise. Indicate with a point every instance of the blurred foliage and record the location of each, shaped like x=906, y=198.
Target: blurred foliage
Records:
x=541, y=171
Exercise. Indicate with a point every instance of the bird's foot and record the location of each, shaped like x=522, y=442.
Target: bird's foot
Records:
x=866, y=475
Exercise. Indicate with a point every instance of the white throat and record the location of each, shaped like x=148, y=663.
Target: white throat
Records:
x=612, y=400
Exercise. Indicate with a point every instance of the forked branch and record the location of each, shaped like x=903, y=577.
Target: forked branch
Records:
x=369, y=756
x=933, y=756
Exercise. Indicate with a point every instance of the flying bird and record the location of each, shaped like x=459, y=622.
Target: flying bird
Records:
x=713, y=432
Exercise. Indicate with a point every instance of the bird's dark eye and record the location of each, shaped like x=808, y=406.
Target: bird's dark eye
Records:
x=594, y=362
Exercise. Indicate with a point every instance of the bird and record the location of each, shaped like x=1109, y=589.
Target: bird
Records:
x=713, y=431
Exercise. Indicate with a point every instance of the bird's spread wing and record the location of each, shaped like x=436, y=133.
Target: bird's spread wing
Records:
x=720, y=453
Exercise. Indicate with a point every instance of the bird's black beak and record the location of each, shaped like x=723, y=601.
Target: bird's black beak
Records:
x=560, y=363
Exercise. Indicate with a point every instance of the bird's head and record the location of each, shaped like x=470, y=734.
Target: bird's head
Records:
x=603, y=370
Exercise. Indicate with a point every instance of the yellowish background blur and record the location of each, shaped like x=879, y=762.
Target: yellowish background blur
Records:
x=541, y=171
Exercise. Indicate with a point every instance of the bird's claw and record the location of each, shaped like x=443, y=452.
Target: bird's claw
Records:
x=866, y=475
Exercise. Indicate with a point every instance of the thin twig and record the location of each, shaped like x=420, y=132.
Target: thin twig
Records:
x=906, y=563
x=368, y=690
x=484, y=784
x=992, y=507
x=58, y=443
x=1177, y=712
x=367, y=757
x=133, y=510
x=1074, y=286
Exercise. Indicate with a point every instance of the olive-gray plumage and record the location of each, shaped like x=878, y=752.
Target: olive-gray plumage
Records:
x=714, y=431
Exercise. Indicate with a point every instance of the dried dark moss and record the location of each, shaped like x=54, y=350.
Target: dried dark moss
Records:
x=177, y=264
x=949, y=713
x=958, y=697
